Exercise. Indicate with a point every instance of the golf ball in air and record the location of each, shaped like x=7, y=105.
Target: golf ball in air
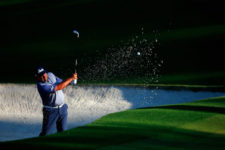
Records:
x=138, y=53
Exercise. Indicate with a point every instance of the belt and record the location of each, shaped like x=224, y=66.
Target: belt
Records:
x=59, y=106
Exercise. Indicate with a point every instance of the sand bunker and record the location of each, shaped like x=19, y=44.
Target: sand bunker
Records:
x=21, y=107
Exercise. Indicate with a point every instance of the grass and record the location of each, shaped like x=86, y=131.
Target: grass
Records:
x=195, y=125
x=191, y=37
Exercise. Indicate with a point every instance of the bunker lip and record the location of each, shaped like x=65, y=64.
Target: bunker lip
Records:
x=21, y=115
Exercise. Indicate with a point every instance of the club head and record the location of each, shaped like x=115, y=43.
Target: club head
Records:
x=76, y=32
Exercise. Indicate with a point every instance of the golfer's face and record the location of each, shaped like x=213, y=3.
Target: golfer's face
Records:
x=44, y=77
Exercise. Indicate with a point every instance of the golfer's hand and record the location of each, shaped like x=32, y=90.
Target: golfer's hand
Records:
x=74, y=76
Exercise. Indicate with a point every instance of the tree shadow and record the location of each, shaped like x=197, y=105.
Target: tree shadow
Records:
x=220, y=110
x=133, y=137
x=150, y=97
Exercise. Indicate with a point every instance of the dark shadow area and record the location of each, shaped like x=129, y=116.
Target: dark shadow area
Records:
x=220, y=110
x=18, y=130
x=134, y=136
x=149, y=97
x=40, y=32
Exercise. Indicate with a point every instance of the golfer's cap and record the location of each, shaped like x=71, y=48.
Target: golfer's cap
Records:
x=40, y=71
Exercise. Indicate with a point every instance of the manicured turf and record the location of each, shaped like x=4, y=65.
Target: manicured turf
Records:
x=191, y=40
x=196, y=125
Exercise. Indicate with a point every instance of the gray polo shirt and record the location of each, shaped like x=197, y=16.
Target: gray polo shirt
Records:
x=49, y=96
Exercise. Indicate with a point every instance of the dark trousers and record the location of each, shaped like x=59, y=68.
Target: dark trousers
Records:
x=52, y=117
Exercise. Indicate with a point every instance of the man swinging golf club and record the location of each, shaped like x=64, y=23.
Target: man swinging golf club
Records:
x=54, y=109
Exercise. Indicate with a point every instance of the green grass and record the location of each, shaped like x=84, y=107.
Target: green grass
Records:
x=192, y=40
x=196, y=125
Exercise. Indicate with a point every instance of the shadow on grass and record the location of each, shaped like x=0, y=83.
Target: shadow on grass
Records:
x=220, y=110
x=135, y=137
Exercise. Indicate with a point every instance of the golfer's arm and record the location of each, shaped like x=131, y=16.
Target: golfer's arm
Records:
x=63, y=84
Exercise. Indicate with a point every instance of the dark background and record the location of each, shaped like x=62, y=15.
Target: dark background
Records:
x=39, y=32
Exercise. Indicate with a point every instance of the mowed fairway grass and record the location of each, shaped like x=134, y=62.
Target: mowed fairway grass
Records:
x=195, y=125
x=191, y=40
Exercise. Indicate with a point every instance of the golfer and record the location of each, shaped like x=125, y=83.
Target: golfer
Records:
x=54, y=108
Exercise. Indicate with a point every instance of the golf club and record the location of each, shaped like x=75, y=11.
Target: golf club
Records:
x=75, y=71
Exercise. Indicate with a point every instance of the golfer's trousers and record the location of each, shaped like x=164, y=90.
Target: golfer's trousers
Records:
x=54, y=117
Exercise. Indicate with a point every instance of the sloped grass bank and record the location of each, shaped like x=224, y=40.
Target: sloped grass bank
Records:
x=196, y=125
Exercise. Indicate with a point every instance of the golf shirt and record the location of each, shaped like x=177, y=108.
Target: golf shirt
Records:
x=49, y=96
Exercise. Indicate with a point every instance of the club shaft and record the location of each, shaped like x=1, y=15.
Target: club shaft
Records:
x=75, y=66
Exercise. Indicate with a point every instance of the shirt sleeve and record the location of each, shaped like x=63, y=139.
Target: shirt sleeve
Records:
x=58, y=80
x=54, y=79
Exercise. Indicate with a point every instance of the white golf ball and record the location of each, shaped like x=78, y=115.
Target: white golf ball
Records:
x=138, y=53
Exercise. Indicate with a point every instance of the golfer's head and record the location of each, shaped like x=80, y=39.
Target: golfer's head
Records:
x=41, y=74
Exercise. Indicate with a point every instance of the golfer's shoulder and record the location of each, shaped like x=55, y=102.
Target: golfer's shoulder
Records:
x=51, y=75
